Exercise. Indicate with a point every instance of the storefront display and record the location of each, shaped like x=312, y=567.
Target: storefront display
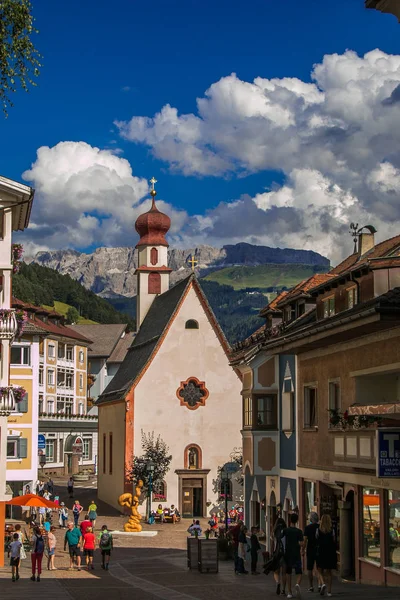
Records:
x=371, y=524
x=394, y=528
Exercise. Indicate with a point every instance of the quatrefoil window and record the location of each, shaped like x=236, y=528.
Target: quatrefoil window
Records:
x=192, y=393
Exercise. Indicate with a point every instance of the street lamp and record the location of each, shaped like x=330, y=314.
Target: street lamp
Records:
x=150, y=466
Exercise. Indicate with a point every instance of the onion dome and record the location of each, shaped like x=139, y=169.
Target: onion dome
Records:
x=153, y=225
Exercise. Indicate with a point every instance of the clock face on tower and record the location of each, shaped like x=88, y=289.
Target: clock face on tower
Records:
x=192, y=393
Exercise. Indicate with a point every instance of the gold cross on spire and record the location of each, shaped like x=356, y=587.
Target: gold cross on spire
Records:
x=192, y=262
x=153, y=181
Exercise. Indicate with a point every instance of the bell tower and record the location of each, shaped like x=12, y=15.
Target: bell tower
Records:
x=152, y=271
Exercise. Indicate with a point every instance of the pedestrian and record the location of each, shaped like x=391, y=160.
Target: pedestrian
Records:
x=17, y=530
x=42, y=515
x=294, y=548
x=37, y=553
x=50, y=486
x=85, y=524
x=310, y=546
x=326, y=553
x=254, y=548
x=195, y=529
x=92, y=511
x=234, y=534
x=51, y=548
x=62, y=515
x=174, y=513
x=106, y=545
x=27, y=489
x=40, y=488
x=15, y=557
x=278, y=556
x=242, y=548
x=73, y=538
x=76, y=510
x=89, y=542
x=70, y=487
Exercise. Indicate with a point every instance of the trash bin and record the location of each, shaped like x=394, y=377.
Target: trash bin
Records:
x=208, y=555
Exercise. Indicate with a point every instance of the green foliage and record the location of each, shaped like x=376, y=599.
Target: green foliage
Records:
x=19, y=62
x=267, y=277
x=42, y=286
x=72, y=315
x=156, y=451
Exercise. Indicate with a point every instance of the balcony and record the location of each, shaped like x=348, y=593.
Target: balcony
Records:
x=9, y=324
x=7, y=401
x=66, y=417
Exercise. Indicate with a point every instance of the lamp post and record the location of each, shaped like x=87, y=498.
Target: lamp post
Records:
x=150, y=466
x=225, y=487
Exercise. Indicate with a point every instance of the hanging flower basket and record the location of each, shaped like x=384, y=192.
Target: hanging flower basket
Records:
x=17, y=251
x=18, y=392
x=345, y=421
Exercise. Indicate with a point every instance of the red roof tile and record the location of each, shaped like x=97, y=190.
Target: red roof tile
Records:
x=385, y=248
x=305, y=286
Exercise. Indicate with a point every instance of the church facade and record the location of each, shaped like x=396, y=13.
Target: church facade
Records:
x=175, y=381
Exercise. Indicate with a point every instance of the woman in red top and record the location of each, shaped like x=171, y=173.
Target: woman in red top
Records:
x=89, y=541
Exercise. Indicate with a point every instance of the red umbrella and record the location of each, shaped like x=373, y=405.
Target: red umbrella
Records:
x=32, y=500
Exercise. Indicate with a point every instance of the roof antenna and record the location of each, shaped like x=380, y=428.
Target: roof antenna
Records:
x=354, y=233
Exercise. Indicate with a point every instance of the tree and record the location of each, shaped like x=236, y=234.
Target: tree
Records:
x=72, y=315
x=235, y=456
x=19, y=62
x=156, y=451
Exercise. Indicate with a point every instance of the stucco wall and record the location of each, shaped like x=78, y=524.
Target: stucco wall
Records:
x=214, y=427
x=112, y=420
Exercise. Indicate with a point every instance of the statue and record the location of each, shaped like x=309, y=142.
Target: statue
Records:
x=132, y=502
x=192, y=458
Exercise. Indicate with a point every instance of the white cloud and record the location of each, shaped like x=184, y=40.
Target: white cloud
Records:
x=86, y=196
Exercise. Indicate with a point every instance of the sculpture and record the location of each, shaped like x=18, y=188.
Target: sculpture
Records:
x=132, y=502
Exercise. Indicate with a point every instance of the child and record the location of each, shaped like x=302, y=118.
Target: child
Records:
x=254, y=548
x=62, y=515
x=15, y=556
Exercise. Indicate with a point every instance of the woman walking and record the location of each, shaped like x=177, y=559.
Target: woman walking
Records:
x=17, y=529
x=37, y=553
x=92, y=511
x=89, y=543
x=279, y=551
x=51, y=548
x=326, y=553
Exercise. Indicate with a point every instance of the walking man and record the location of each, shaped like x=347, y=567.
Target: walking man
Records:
x=105, y=545
x=310, y=545
x=73, y=538
x=294, y=549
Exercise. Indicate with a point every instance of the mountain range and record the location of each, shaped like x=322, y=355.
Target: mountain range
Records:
x=110, y=272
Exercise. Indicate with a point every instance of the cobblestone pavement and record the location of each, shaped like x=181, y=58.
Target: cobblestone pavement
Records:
x=153, y=568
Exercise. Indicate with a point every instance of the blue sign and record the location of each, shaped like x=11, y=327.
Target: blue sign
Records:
x=388, y=453
x=41, y=442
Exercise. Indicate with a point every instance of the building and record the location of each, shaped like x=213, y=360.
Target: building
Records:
x=15, y=209
x=70, y=433
x=175, y=380
x=348, y=367
x=22, y=435
x=107, y=351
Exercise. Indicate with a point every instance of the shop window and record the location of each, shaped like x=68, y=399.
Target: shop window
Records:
x=329, y=307
x=247, y=412
x=310, y=407
x=154, y=256
x=393, y=536
x=20, y=355
x=154, y=283
x=351, y=297
x=266, y=412
x=371, y=524
x=191, y=324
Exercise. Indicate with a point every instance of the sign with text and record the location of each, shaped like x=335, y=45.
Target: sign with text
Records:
x=41, y=442
x=388, y=453
x=77, y=446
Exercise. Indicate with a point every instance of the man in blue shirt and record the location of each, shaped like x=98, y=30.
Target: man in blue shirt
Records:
x=73, y=537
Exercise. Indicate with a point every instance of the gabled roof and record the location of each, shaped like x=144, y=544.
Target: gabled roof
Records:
x=151, y=334
x=272, y=306
x=304, y=287
x=105, y=337
x=388, y=247
x=120, y=350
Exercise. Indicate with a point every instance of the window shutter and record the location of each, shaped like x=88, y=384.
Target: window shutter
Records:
x=22, y=448
x=23, y=405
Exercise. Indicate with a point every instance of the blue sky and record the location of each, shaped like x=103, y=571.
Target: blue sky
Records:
x=105, y=62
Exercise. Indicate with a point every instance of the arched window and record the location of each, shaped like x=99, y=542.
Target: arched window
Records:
x=193, y=457
x=154, y=256
x=160, y=492
x=191, y=324
x=154, y=283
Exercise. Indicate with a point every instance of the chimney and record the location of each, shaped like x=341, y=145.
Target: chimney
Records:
x=365, y=242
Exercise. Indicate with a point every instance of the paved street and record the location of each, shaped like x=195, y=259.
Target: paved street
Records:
x=154, y=568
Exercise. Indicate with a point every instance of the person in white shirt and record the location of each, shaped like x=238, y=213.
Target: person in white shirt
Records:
x=195, y=529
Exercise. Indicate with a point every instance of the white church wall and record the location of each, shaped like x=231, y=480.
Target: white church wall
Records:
x=214, y=427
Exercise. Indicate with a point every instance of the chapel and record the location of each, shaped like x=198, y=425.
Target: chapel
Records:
x=175, y=381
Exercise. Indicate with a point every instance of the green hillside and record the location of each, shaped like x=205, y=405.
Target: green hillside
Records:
x=264, y=277
x=62, y=308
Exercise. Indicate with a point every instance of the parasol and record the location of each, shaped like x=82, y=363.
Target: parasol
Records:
x=32, y=500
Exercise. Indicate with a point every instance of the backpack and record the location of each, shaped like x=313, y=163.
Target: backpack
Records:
x=39, y=545
x=105, y=540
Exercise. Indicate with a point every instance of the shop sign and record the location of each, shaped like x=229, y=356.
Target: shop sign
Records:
x=41, y=442
x=77, y=446
x=388, y=453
